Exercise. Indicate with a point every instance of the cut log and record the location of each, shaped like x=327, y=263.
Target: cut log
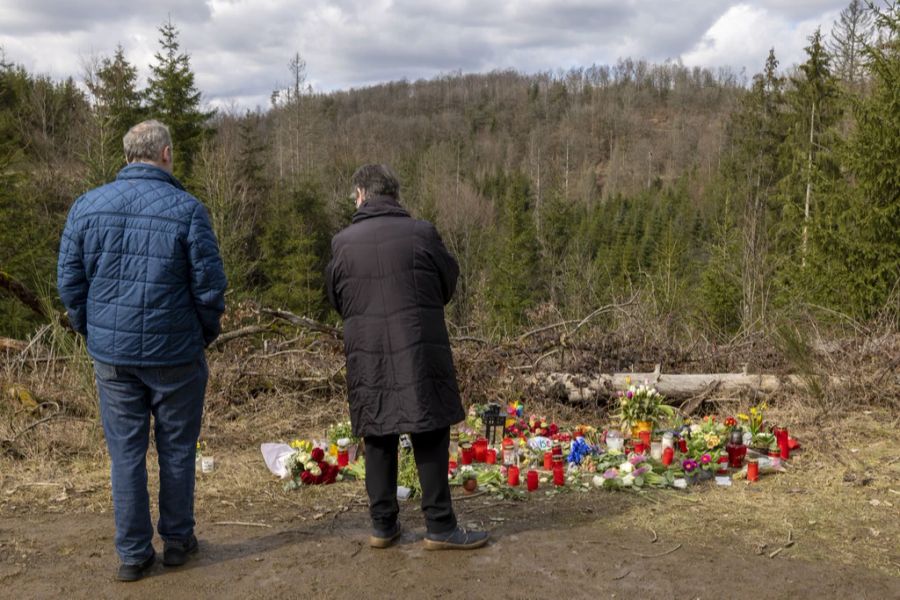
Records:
x=578, y=388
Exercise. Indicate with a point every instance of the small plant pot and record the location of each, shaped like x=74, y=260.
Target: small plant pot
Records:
x=469, y=486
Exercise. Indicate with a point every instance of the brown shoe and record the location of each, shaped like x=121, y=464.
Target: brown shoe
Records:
x=384, y=538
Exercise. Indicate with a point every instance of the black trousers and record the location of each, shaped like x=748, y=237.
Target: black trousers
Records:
x=432, y=453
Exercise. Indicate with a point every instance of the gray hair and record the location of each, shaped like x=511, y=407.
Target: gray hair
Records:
x=146, y=140
x=376, y=179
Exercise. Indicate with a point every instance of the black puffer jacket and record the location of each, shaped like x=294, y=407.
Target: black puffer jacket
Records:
x=389, y=278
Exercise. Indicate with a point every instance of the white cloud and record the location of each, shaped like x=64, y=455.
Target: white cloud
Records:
x=240, y=48
x=743, y=36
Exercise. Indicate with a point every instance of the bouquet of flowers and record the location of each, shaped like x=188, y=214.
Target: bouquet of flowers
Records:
x=642, y=403
x=541, y=426
x=310, y=466
x=341, y=430
x=755, y=422
x=579, y=451
x=636, y=472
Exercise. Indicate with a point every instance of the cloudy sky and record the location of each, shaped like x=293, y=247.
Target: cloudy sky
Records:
x=240, y=49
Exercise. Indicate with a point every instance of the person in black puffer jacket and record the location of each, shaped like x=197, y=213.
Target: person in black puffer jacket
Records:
x=389, y=278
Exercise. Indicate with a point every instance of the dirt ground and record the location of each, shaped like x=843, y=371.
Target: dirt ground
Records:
x=569, y=545
x=839, y=504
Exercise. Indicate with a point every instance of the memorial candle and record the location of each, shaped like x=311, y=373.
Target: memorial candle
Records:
x=512, y=475
x=532, y=480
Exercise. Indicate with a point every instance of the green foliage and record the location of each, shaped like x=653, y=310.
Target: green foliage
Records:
x=514, y=281
x=295, y=249
x=116, y=107
x=173, y=99
x=862, y=229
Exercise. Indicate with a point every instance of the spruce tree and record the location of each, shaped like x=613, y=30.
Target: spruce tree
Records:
x=116, y=107
x=811, y=113
x=863, y=235
x=173, y=99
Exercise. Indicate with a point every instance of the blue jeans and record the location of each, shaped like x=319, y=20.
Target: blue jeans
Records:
x=174, y=396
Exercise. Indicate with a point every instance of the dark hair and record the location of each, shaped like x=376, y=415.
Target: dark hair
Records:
x=376, y=179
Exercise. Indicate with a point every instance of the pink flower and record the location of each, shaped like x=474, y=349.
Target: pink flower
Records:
x=706, y=459
x=630, y=394
x=689, y=465
x=636, y=458
x=610, y=474
x=640, y=471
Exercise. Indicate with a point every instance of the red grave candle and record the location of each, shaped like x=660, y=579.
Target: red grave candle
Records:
x=645, y=438
x=559, y=474
x=480, y=447
x=682, y=445
x=343, y=458
x=548, y=461
x=512, y=475
x=467, y=454
x=491, y=456
x=451, y=466
x=781, y=438
x=532, y=480
x=723, y=465
x=752, y=470
x=667, y=456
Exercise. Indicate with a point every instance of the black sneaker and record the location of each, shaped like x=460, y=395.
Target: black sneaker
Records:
x=458, y=539
x=383, y=538
x=176, y=554
x=135, y=572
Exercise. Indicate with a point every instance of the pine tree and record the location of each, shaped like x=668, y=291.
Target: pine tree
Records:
x=173, y=99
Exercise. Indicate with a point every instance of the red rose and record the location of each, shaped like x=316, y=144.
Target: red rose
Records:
x=553, y=429
x=317, y=454
x=306, y=477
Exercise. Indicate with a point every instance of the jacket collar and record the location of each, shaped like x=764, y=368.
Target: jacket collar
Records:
x=379, y=206
x=139, y=170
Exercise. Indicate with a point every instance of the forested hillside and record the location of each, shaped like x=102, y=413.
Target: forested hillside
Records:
x=730, y=203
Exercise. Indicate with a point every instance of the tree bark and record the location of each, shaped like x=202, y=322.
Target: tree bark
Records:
x=580, y=389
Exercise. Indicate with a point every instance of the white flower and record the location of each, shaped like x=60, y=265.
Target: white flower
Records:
x=597, y=481
x=628, y=480
x=694, y=428
x=626, y=467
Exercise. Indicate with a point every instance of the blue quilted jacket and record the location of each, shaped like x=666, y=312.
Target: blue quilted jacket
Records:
x=139, y=271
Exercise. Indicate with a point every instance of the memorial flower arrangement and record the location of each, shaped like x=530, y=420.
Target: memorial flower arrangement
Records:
x=635, y=472
x=309, y=465
x=561, y=458
x=341, y=430
x=642, y=404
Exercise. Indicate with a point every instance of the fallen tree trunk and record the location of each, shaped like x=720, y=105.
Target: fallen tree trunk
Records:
x=578, y=388
x=20, y=292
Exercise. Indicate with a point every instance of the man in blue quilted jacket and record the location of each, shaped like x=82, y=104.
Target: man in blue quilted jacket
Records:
x=141, y=277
